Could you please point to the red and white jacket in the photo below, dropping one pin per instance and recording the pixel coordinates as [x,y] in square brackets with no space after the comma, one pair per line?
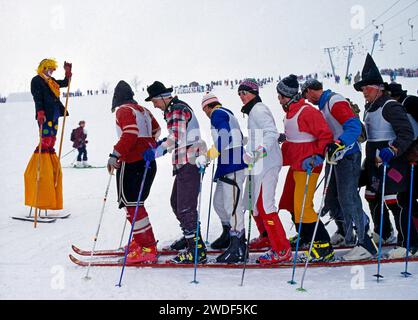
[307,133]
[137,130]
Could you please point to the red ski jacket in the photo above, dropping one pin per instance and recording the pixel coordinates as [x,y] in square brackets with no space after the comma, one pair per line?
[310,121]
[137,130]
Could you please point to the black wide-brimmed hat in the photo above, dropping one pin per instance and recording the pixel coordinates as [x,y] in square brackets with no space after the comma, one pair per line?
[396,89]
[370,75]
[156,89]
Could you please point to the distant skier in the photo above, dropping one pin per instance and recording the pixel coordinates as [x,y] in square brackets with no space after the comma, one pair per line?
[389,135]
[137,130]
[47,192]
[185,142]
[307,135]
[79,137]
[264,155]
[228,149]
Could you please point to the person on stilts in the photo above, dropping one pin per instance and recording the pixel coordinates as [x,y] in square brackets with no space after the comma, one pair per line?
[345,154]
[389,135]
[48,109]
[264,155]
[184,141]
[137,130]
[228,149]
[307,135]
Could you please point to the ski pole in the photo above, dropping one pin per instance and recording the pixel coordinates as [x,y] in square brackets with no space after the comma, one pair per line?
[317,187]
[68,153]
[316,226]
[378,275]
[123,233]
[210,203]
[65,116]
[406,273]
[38,177]
[250,213]
[99,225]
[202,172]
[308,175]
[63,126]
[73,162]
[147,166]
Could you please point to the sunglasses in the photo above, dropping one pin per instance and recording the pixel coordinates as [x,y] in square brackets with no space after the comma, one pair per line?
[242,93]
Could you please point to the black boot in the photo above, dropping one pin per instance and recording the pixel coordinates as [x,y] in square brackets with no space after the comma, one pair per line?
[322,251]
[236,250]
[188,256]
[223,241]
[369,245]
[179,244]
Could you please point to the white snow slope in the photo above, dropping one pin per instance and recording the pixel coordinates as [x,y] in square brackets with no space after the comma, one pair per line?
[34,263]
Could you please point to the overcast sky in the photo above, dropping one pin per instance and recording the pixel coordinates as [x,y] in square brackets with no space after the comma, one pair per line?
[178,41]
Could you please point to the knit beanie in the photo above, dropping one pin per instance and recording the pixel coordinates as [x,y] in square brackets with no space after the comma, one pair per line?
[288,86]
[208,99]
[249,85]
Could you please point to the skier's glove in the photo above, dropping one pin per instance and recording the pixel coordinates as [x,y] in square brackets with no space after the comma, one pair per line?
[251,157]
[161,141]
[40,116]
[113,162]
[332,151]
[282,138]
[387,154]
[201,162]
[153,153]
[213,153]
[67,67]
[312,162]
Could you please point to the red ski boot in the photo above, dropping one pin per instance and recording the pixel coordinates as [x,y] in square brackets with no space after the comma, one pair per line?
[272,256]
[143,255]
[132,246]
[262,242]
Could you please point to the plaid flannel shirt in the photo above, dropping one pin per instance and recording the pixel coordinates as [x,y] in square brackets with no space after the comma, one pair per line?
[184,145]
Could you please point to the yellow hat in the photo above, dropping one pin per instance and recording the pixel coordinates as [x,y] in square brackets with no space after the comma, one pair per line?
[46,64]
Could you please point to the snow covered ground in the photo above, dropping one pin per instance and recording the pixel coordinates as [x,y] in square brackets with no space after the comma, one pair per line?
[34,264]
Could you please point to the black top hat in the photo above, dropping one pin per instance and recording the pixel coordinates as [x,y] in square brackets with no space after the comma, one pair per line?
[370,75]
[396,89]
[156,89]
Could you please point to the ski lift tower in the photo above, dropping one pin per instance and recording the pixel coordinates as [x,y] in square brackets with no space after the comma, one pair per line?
[349,57]
[329,50]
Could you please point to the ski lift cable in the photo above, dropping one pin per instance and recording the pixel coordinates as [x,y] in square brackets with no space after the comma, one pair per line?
[396,14]
[371,23]
[400,24]
[399,12]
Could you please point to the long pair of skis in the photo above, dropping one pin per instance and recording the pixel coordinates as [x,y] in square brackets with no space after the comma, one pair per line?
[45,218]
[114,259]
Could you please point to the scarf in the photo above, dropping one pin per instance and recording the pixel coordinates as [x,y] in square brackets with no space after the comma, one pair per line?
[55,88]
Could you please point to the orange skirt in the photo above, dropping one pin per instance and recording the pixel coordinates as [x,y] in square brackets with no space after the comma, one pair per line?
[45,193]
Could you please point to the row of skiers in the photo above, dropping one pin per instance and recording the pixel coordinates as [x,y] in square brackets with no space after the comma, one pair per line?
[310,137]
